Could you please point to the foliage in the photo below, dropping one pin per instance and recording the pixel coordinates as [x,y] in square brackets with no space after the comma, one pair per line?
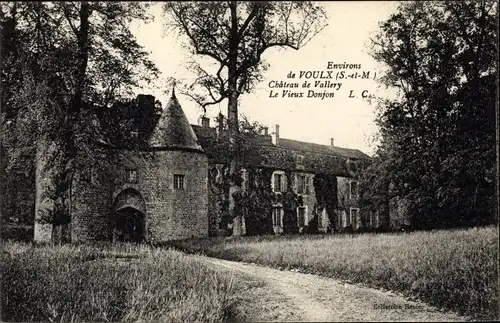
[67,64]
[255,203]
[438,136]
[234,35]
[218,185]
[258,201]
[110,283]
[325,187]
[290,202]
[451,269]
[129,123]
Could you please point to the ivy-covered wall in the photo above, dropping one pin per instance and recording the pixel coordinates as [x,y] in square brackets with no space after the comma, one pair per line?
[256,202]
[327,200]
[346,202]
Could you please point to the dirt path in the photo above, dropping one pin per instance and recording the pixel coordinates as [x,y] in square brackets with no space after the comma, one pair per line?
[293,296]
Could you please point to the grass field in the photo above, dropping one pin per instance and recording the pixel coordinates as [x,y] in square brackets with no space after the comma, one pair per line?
[110,283]
[456,270]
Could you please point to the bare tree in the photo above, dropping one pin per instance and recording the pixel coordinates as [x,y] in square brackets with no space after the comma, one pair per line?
[235,34]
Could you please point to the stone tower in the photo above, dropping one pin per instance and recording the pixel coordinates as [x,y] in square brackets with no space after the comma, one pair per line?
[177,196]
[156,195]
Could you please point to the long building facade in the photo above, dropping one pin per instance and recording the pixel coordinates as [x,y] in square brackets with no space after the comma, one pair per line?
[175,194]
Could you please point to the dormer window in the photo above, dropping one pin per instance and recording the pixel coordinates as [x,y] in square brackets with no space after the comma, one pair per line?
[300,159]
[353,165]
[131,175]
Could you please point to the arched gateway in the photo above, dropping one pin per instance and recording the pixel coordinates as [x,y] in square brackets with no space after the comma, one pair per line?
[129,217]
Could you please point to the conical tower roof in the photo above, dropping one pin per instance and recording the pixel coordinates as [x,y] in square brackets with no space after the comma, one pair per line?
[173,130]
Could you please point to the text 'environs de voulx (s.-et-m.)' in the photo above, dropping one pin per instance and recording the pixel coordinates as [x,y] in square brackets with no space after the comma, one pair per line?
[324,84]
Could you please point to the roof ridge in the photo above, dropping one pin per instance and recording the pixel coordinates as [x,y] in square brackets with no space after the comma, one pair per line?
[326,146]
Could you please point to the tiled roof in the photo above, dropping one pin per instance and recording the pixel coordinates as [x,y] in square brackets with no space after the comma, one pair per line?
[260,151]
[323,149]
[173,130]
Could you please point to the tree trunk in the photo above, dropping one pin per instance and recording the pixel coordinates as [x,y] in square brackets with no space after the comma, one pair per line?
[44,205]
[232,120]
[234,168]
[62,227]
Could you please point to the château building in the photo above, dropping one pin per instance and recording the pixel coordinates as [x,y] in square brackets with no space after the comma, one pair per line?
[175,194]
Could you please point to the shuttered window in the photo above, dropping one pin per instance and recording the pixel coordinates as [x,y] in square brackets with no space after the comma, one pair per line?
[179,182]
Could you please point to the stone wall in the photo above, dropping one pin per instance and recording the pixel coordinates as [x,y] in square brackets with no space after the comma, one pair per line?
[345,202]
[91,206]
[170,213]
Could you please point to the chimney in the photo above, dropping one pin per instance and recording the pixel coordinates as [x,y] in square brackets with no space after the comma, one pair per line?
[146,101]
[266,129]
[331,142]
[276,135]
[204,121]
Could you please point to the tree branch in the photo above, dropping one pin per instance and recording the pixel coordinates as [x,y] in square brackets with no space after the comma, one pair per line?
[180,19]
[249,19]
[68,18]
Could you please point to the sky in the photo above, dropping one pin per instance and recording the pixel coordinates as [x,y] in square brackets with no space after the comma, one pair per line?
[349,121]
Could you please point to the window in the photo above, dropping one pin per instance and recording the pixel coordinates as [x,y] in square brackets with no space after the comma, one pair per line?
[278,182]
[321,218]
[301,216]
[353,189]
[134,134]
[277,215]
[354,218]
[178,182]
[353,165]
[344,219]
[132,175]
[301,184]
